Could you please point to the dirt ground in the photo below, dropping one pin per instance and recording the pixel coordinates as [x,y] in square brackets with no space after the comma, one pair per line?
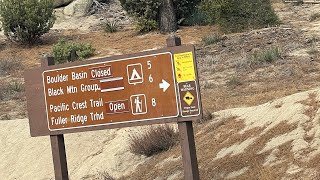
[230,76]
[227,75]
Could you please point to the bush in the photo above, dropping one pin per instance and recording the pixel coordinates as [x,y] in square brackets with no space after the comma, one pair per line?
[25,21]
[211,39]
[67,52]
[13,90]
[197,18]
[145,25]
[267,56]
[111,26]
[147,11]
[153,141]
[240,15]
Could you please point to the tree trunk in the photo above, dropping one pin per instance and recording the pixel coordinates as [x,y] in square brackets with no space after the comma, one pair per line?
[168,21]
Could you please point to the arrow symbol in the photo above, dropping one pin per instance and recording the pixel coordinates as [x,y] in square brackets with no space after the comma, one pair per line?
[164,85]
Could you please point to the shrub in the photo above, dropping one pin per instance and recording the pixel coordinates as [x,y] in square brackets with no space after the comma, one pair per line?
[68,52]
[197,18]
[13,90]
[267,56]
[240,15]
[25,21]
[154,140]
[211,39]
[111,26]
[147,11]
[144,25]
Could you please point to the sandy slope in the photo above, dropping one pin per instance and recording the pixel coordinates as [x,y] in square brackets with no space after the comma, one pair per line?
[281,136]
[23,157]
[275,140]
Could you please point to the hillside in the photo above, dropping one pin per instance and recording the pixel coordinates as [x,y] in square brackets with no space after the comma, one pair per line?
[266,117]
[277,139]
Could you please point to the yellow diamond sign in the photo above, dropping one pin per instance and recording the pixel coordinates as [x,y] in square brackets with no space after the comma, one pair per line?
[188,98]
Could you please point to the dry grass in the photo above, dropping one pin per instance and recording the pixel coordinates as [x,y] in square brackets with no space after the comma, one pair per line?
[99,176]
[10,65]
[13,90]
[207,116]
[313,105]
[211,139]
[153,141]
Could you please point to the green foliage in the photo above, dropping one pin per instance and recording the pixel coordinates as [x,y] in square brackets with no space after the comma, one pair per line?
[211,39]
[144,25]
[240,15]
[153,141]
[111,26]
[67,52]
[197,18]
[185,7]
[25,21]
[147,11]
[267,56]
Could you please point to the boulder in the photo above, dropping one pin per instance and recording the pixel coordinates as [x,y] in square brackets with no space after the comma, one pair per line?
[59,3]
[78,8]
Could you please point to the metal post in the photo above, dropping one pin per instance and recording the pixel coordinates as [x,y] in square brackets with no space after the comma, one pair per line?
[188,148]
[57,142]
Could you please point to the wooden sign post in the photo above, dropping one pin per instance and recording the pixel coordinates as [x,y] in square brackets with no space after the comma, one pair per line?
[153,87]
[57,142]
[188,147]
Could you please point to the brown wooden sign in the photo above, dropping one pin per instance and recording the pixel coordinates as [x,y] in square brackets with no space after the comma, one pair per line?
[112,92]
[133,89]
[139,89]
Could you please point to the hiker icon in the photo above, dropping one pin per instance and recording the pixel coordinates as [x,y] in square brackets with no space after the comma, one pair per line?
[138,104]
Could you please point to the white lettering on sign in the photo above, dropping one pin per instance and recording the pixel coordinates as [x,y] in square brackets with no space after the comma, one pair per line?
[115,107]
[79,105]
[89,87]
[100,73]
[96,116]
[55,92]
[79,76]
[72,89]
[77,118]
[59,108]
[96,103]
[59,120]
[187,87]
[57,79]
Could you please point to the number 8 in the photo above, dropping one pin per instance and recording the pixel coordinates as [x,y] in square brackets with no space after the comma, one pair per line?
[154,103]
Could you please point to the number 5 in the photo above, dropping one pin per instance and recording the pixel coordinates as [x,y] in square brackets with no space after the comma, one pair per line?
[149,64]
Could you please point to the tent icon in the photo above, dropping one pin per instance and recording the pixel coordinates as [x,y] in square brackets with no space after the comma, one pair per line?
[135,73]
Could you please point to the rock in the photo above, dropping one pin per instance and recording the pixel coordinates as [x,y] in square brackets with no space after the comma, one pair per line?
[78,8]
[59,3]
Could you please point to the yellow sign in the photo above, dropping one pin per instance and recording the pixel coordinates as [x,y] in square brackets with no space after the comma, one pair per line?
[184,67]
[188,98]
